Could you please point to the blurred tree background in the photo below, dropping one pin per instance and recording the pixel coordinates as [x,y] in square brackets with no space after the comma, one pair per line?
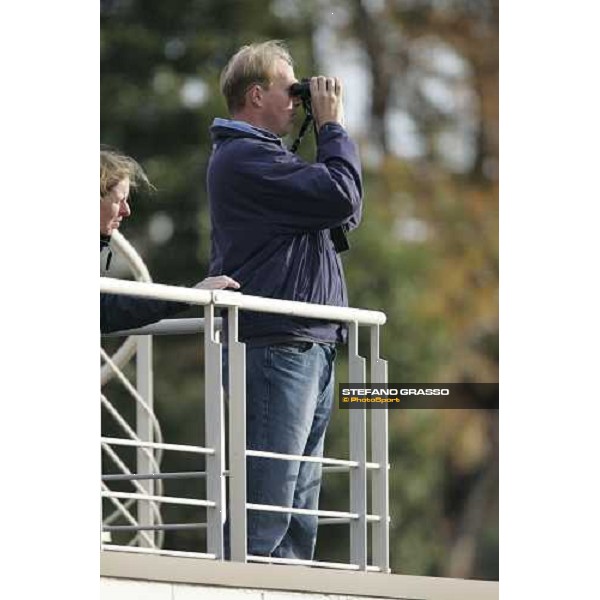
[421,97]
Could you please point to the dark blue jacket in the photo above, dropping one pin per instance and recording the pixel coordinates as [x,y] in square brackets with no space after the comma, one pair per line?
[271,213]
[119,312]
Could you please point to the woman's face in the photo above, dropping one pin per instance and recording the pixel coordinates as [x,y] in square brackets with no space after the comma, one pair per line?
[114,207]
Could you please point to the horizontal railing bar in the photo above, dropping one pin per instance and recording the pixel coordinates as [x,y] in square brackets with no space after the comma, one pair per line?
[162,499]
[334,521]
[336,469]
[344,520]
[294,457]
[160,551]
[315,459]
[301,511]
[253,303]
[343,469]
[166,527]
[169,327]
[175,526]
[136,476]
[159,291]
[308,563]
[174,447]
[322,521]
[298,309]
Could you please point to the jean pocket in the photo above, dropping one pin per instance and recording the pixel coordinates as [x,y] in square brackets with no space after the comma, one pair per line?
[293,347]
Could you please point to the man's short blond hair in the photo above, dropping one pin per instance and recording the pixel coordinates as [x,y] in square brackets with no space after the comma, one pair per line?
[251,64]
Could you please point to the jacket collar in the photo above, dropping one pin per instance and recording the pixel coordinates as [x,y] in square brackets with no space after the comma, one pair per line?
[225,128]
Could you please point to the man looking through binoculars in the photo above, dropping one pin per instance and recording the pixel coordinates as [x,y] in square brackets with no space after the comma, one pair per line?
[271,215]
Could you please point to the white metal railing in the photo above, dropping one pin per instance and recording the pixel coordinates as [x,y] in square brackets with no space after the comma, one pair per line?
[215,472]
[146,425]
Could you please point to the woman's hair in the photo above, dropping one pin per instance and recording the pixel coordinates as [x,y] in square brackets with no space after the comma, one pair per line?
[115,166]
[249,65]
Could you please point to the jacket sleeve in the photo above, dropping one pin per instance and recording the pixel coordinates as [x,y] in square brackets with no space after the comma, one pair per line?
[297,196]
[119,312]
[331,136]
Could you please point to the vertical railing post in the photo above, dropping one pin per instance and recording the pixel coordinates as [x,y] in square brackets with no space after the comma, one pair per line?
[379,453]
[145,514]
[237,439]
[358,452]
[214,423]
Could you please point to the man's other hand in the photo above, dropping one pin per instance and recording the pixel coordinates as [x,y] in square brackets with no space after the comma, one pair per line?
[220,282]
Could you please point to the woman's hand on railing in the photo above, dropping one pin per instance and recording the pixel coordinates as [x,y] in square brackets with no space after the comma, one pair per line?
[220,282]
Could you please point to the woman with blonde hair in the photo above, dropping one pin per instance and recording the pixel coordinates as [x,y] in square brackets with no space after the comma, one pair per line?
[120,173]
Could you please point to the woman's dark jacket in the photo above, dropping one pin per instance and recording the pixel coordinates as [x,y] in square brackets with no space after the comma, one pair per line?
[118,312]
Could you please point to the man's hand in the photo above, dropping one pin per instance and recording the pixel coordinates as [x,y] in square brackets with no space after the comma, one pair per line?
[326,97]
[217,283]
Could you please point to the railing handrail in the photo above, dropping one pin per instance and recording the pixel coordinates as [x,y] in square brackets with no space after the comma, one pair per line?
[223,298]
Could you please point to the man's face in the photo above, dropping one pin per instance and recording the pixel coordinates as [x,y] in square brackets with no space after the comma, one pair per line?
[114,207]
[279,108]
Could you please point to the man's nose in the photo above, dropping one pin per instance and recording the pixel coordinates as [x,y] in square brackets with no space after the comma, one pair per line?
[125,210]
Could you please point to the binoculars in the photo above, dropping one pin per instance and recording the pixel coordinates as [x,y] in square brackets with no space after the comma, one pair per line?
[301,89]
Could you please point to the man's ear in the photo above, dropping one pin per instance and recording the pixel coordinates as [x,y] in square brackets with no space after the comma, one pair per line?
[255,96]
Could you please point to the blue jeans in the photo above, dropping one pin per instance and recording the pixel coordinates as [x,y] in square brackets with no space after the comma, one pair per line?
[289,397]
